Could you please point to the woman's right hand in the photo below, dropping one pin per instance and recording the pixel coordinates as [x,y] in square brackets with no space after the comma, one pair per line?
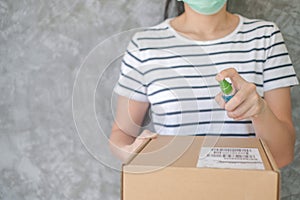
[124,139]
[128,150]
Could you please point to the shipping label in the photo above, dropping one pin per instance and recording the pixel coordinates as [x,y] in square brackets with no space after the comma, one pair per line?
[232,158]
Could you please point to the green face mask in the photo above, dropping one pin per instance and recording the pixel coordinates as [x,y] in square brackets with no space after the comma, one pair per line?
[206,7]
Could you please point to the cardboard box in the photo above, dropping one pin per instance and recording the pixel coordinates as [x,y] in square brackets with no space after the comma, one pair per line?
[212,168]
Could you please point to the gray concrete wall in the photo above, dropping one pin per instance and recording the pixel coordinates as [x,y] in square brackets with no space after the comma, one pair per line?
[53,50]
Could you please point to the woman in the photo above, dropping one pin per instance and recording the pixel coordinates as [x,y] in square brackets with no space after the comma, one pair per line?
[173,68]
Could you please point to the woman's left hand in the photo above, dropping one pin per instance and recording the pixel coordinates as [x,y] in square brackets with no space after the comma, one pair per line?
[246,103]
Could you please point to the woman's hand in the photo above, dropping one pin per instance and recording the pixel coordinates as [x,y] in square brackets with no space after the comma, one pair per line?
[126,151]
[246,102]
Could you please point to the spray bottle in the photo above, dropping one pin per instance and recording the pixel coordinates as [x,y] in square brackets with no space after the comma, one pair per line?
[227,90]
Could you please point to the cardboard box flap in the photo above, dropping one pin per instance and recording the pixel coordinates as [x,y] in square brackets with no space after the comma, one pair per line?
[184,151]
[169,150]
[270,157]
[168,168]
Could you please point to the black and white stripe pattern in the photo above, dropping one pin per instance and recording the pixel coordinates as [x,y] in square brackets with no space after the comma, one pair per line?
[176,75]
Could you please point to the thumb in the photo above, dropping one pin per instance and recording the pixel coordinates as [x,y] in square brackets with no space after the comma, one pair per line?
[220,100]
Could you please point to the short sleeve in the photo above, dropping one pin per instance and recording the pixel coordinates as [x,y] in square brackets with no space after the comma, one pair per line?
[278,69]
[131,82]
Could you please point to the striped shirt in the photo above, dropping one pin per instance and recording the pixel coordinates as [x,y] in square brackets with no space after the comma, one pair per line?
[176,75]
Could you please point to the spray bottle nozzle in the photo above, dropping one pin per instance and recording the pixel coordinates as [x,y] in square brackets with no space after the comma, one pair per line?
[227,90]
[225,87]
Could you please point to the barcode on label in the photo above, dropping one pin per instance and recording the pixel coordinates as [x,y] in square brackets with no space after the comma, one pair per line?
[244,158]
[232,154]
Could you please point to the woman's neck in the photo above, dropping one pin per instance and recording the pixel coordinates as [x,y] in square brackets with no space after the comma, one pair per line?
[205,27]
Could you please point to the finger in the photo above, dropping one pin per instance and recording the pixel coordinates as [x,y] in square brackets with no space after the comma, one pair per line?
[147,134]
[247,114]
[241,112]
[228,73]
[256,105]
[250,106]
[234,76]
[220,100]
[241,96]
[135,145]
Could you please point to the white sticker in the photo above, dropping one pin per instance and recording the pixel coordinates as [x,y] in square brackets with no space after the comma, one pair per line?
[233,158]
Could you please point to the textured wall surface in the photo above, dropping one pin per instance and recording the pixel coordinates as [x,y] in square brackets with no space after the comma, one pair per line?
[45,54]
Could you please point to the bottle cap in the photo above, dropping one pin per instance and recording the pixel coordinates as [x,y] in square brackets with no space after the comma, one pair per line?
[225,87]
